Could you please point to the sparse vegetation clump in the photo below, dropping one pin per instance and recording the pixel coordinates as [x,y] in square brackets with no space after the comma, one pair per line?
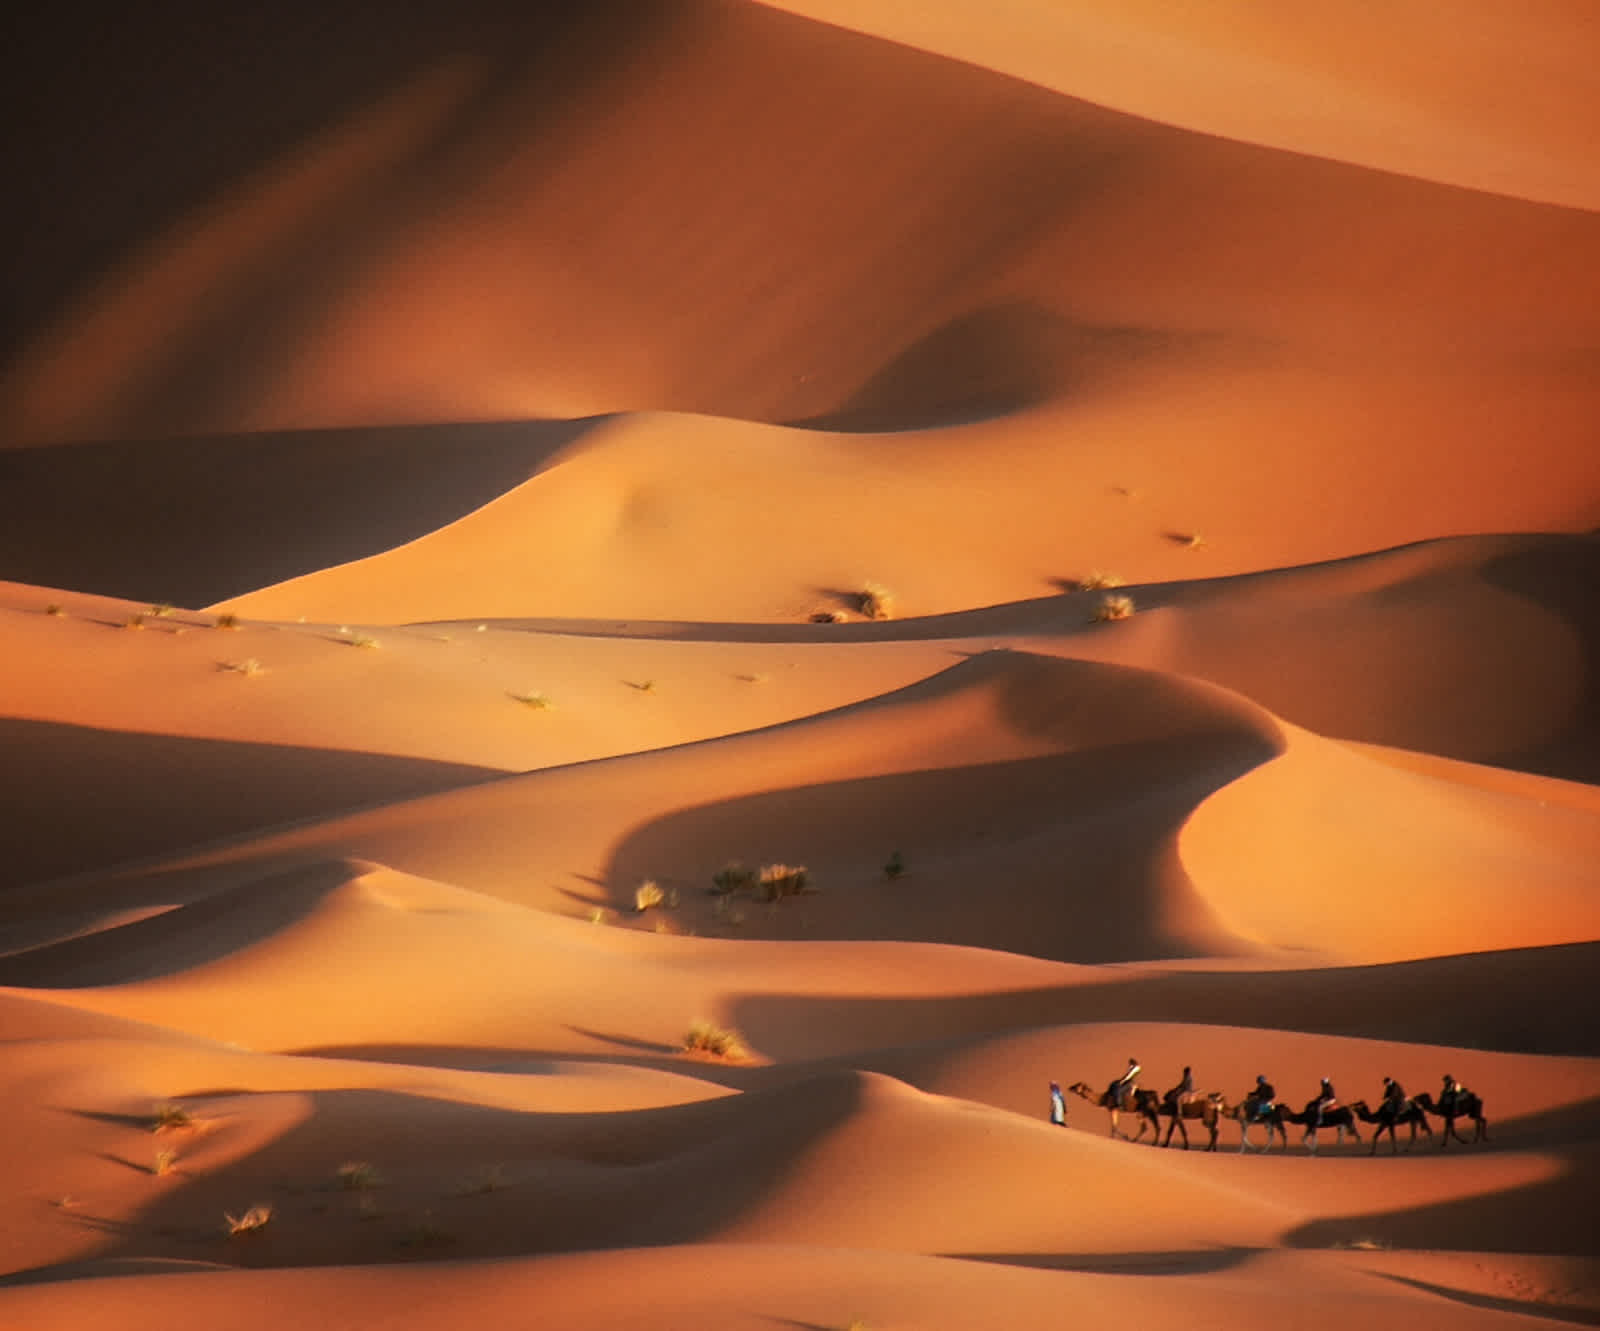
[161,610]
[782,880]
[733,878]
[894,866]
[647,894]
[164,1161]
[363,641]
[826,617]
[168,1116]
[1097,580]
[707,1037]
[1113,607]
[252,1221]
[875,601]
[250,666]
[227,620]
[133,622]
[357,1176]
[539,702]
[55,608]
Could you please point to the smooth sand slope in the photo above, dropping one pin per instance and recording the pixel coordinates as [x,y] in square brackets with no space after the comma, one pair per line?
[439,474]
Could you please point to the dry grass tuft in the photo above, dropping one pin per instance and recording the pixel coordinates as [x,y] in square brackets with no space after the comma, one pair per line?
[363,641]
[133,622]
[250,667]
[707,1037]
[826,617]
[1097,580]
[163,1163]
[251,1222]
[894,866]
[1112,607]
[647,894]
[875,601]
[357,1176]
[168,1116]
[539,702]
[227,620]
[55,608]
[782,880]
[732,878]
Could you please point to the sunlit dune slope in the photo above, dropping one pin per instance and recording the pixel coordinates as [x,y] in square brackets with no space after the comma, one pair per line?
[721,208]
[1488,96]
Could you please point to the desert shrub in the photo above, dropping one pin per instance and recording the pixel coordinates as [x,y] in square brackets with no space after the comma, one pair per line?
[55,608]
[733,877]
[782,880]
[539,702]
[356,1176]
[167,1116]
[250,1222]
[164,1161]
[648,894]
[1098,581]
[826,617]
[875,601]
[133,622]
[249,666]
[894,866]
[707,1037]
[227,620]
[1113,607]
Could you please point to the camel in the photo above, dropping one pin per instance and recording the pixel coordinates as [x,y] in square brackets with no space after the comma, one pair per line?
[1207,1108]
[1145,1104]
[1248,1112]
[1339,1117]
[1467,1105]
[1388,1119]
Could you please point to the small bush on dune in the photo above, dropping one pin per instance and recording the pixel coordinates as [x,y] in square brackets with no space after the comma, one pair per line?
[55,608]
[1098,581]
[227,620]
[161,610]
[249,666]
[894,866]
[782,880]
[733,877]
[252,1221]
[539,702]
[1113,607]
[875,601]
[356,1176]
[164,1162]
[706,1037]
[168,1116]
[826,617]
[133,622]
[647,894]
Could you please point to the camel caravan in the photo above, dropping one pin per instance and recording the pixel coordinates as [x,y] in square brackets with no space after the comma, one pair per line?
[1183,1105]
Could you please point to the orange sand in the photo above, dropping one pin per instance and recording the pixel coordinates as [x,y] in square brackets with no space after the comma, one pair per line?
[500,412]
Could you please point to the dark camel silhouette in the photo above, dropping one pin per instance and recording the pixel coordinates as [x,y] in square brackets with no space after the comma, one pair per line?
[1146,1104]
[1247,1113]
[1207,1108]
[1388,1118]
[1467,1105]
[1338,1117]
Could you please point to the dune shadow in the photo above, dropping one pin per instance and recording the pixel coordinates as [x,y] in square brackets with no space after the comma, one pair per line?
[627,1178]
[1549,1218]
[195,521]
[992,362]
[1180,1262]
[1554,1312]
[98,798]
[182,937]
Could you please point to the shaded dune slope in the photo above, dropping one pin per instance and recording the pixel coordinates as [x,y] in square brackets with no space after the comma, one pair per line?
[588,248]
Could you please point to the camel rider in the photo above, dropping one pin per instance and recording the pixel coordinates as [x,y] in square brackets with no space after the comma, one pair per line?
[1326,1100]
[1394,1096]
[1123,1087]
[1058,1106]
[1261,1098]
[1451,1094]
[1181,1092]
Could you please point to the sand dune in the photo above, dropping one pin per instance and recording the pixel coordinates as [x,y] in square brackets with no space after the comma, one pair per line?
[487,504]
